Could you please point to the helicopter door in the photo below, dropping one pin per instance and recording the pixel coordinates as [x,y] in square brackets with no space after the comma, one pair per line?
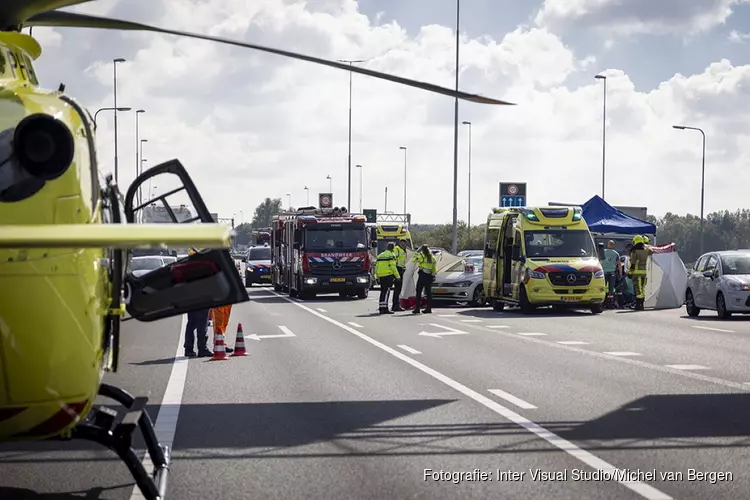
[203,280]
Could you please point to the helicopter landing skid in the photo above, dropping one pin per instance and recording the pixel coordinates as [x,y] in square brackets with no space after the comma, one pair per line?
[114,429]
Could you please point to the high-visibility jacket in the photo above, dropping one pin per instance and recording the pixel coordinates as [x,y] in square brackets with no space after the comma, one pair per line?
[639,259]
[386,265]
[426,266]
[400,255]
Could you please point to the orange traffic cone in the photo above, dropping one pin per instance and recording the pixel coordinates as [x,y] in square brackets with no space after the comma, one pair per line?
[239,343]
[220,353]
[210,317]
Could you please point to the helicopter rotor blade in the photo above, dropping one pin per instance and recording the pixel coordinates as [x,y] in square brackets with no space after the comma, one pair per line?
[15,12]
[74,20]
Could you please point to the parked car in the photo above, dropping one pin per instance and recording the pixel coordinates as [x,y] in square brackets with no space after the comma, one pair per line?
[469,253]
[461,283]
[147,263]
[719,281]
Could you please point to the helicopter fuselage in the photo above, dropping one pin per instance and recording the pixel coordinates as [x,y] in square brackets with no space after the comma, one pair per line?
[53,301]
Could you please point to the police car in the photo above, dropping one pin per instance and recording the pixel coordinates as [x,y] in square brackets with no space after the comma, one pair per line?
[258,265]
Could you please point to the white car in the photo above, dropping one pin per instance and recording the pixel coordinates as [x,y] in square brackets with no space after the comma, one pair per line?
[147,263]
[719,281]
[461,283]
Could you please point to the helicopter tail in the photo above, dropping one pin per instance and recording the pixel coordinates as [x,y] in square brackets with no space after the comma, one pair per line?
[121,236]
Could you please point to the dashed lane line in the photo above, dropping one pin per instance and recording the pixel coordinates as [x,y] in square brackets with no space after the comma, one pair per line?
[512,399]
[497,326]
[644,490]
[447,315]
[409,349]
[321,309]
[622,353]
[355,325]
[712,329]
[688,367]
[572,342]
[531,334]
[471,321]
[660,368]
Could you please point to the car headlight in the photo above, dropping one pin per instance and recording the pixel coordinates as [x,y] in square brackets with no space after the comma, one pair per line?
[251,269]
[599,274]
[362,279]
[533,274]
[733,285]
[463,284]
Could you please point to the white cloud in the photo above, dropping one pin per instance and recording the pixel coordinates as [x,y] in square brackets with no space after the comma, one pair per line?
[681,17]
[250,125]
[737,37]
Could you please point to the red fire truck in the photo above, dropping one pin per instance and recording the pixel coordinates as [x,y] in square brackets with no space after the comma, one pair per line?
[322,251]
[260,237]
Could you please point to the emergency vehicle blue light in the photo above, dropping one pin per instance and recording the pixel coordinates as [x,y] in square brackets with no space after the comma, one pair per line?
[577,215]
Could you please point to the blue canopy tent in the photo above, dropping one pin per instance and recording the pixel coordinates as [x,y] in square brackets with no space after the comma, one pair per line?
[602,217]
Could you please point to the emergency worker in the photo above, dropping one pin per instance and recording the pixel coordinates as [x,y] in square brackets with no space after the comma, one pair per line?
[387,273]
[399,251]
[220,317]
[197,322]
[427,271]
[638,260]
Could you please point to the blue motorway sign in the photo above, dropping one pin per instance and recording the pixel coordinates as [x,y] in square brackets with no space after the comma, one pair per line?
[512,201]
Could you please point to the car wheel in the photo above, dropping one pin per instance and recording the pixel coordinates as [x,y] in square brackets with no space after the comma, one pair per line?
[523,302]
[721,307]
[692,310]
[362,294]
[479,299]
[596,309]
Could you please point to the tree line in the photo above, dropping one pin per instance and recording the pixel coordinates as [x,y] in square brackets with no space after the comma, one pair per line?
[723,230]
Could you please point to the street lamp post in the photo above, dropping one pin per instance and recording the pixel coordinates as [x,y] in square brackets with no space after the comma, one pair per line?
[703,174]
[289,200]
[307,193]
[349,162]
[468,222]
[604,127]
[330,184]
[115,61]
[137,154]
[454,243]
[385,205]
[141,153]
[360,187]
[108,109]
[404,149]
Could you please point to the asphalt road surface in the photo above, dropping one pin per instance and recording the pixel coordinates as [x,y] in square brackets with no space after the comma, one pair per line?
[336,402]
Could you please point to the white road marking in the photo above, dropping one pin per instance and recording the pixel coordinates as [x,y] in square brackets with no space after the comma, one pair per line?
[688,367]
[497,326]
[471,320]
[287,333]
[513,399]
[572,342]
[409,349]
[449,331]
[355,325]
[169,410]
[532,334]
[712,329]
[596,463]
[622,353]
[321,309]
[447,315]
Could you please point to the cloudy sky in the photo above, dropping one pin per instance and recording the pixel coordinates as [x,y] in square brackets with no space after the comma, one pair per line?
[250,125]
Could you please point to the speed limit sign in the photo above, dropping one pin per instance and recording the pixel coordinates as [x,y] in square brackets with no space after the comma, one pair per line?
[513,189]
[325,200]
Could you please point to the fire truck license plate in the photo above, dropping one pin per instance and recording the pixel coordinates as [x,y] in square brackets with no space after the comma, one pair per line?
[338,280]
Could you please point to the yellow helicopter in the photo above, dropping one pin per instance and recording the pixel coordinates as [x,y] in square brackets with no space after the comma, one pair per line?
[65,240]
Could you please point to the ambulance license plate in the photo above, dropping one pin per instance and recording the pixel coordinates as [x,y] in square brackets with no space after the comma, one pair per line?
[575,298]
[440,290]
[338,280]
